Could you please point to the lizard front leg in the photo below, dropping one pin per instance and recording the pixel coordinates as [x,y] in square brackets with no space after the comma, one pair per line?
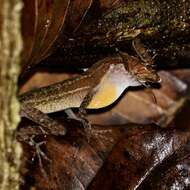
[82,114]
[46,126]
[82,109]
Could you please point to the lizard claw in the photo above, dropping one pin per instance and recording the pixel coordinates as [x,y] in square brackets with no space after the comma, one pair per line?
[39,153]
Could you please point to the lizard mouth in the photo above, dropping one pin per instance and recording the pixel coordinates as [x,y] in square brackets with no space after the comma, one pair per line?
[150,78]
[150,81]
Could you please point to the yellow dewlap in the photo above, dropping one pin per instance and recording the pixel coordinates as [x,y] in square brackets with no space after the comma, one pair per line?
[105,96]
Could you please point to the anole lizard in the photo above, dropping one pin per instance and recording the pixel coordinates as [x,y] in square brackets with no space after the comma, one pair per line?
[107,79]
[98,87]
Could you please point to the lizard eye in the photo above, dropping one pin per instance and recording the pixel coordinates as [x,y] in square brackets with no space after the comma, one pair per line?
[147,84]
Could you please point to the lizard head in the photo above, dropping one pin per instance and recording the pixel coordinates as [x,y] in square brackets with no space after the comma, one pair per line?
[144,74]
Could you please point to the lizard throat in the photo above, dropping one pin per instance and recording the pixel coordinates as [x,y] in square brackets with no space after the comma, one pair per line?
[112,85]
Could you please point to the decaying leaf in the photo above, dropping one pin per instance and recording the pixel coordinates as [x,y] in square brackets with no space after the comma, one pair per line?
[147,158]
[141,156]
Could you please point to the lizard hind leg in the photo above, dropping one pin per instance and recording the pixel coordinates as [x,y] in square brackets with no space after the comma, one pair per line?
[39,153]
[47,125]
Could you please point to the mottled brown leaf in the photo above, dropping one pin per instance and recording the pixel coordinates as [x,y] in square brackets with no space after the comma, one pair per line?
[75,158]
[42,22]
[76,13]
[28,30]
[141,156]
[147,158]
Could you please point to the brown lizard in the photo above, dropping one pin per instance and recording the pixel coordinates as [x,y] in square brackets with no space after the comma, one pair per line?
[98,87]
[107,79]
